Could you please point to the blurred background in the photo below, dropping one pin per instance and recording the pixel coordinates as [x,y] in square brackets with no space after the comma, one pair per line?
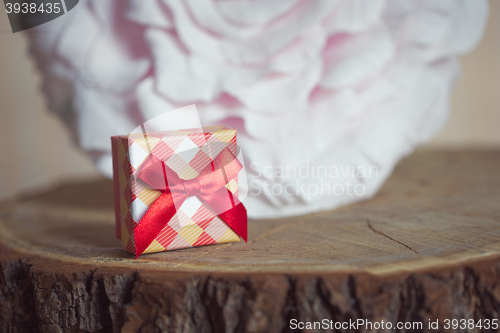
[35,149]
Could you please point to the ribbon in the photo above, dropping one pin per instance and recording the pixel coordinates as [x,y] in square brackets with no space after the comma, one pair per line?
[209,187]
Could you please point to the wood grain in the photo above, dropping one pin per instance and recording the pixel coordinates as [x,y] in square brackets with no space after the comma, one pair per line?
[427,246]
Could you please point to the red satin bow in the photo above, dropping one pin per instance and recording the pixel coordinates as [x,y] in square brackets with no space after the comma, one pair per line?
[209,186]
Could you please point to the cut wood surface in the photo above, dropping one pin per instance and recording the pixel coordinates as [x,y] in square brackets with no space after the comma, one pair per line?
[427,246]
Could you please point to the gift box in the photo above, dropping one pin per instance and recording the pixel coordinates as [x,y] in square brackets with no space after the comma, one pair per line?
[177,189]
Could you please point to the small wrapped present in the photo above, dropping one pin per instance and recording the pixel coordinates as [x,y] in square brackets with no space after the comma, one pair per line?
[177,189]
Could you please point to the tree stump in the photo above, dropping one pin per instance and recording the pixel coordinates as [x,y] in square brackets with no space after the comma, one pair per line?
[426,247]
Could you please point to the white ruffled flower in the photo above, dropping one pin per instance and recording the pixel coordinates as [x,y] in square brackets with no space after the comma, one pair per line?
[326,95]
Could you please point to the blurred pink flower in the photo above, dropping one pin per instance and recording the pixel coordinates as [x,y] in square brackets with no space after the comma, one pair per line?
[318,90]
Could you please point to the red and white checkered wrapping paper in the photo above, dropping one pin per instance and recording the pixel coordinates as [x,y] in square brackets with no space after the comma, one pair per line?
[187,152]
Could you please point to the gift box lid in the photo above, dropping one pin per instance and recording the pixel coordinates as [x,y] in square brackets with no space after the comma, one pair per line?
[186,151]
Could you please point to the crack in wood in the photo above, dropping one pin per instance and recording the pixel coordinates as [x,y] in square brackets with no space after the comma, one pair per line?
[389,237]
